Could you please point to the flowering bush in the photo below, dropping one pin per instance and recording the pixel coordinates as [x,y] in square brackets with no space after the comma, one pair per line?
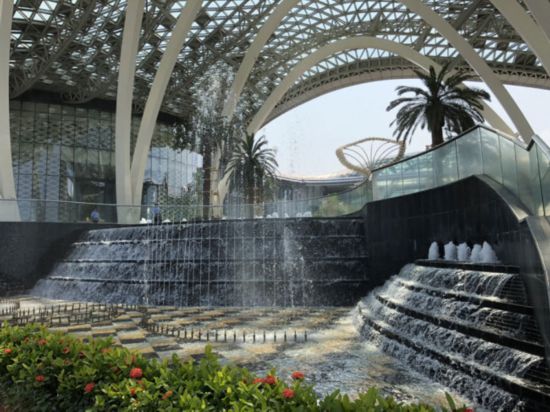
[44,371]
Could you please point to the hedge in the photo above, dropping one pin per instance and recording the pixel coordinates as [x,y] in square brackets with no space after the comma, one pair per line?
[47,371]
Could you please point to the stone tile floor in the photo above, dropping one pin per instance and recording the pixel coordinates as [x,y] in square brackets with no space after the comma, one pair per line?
[197,327]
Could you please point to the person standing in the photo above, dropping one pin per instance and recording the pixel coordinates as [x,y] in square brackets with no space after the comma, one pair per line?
[157,217]
[94,216]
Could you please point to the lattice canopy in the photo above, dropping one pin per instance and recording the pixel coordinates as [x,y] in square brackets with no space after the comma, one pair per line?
[71,48]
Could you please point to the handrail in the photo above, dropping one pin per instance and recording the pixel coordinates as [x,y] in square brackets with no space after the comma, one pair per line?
[453,139]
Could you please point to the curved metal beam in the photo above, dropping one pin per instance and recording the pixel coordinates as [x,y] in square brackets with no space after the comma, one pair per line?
[125,95]
[156,95]
[541,13]
[8,210]
[253,52]
[476,62]
[361,42]
[533,35]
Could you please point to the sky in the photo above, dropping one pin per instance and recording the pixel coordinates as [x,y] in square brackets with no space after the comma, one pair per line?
[306,137]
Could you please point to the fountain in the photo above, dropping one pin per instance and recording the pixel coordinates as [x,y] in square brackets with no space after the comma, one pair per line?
[471,331]
[261,262]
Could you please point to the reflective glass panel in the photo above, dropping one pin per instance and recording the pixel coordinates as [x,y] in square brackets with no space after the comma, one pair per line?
[469,154]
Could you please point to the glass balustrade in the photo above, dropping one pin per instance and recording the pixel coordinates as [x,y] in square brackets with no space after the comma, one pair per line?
[522,169]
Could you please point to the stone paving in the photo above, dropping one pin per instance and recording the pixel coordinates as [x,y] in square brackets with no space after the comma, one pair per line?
[242,335]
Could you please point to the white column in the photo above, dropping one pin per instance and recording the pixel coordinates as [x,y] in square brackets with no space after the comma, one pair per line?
[475,61]
[361,42]
[533,35]
[156,95]
[253,52]
[541,12]
[8,209]
[123,123]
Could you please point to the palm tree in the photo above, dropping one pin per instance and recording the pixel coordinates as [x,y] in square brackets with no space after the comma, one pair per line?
[251,168]
[444,104]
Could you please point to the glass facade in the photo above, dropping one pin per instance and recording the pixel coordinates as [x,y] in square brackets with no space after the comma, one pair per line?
[63,153]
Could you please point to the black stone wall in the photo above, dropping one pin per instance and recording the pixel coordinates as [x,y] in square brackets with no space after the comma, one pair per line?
[400,230]
[28,251]
[476,209]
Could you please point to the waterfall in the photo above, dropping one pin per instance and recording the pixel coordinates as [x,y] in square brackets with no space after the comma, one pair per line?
[461,328]
[257,262]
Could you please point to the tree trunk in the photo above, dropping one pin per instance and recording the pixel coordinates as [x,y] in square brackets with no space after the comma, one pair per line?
[437,136]
[206,183]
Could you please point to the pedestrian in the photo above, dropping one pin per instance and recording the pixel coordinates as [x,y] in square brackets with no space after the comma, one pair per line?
[157,216]
[95,215]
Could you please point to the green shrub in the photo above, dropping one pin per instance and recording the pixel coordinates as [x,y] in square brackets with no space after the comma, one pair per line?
[45,371]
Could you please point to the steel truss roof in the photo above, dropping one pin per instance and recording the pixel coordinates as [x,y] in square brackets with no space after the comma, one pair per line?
[72,47]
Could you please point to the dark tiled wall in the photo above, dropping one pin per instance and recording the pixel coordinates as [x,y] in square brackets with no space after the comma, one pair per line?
[476,209]
[28,251]
[400,230]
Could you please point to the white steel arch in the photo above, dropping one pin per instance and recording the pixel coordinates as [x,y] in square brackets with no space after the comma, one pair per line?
[8,210]
[476,62]
[156,95]
[125,95]
[533,35]
[253,52]
[541,13]
[361,42]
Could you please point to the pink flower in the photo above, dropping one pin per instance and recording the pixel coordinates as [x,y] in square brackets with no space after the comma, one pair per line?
[7,351]
[258,380]
[297,375]
[270,380]
[288,393]
[136,373]
[89,387]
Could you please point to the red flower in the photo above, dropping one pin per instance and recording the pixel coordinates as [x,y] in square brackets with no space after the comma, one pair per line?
[81,355]
[167,395]
[66,350]
[288,393]
[136,373]
[297,375]
[89,387]
[133,391]
[468,410]
[7,351]
[270,380]
[39,378]
[42,342]
[258,380]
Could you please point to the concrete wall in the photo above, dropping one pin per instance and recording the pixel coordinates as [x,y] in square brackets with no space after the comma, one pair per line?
[28,250]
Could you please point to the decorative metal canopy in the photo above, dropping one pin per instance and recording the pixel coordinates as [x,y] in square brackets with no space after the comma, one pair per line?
[72,47]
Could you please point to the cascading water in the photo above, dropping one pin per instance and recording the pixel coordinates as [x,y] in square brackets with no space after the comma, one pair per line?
[260,262]
[468,330]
